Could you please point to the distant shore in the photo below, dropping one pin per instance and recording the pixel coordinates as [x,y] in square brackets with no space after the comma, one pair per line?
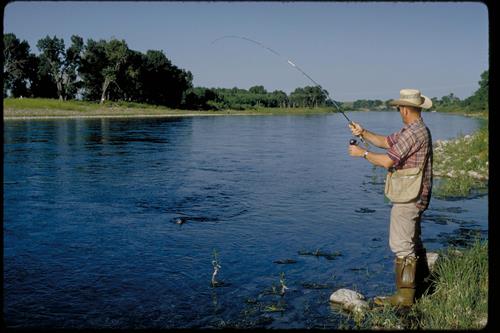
[123,112]
[63,115]
[46,108]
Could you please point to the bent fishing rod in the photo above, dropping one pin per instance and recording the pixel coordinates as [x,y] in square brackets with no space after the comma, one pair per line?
[291,63]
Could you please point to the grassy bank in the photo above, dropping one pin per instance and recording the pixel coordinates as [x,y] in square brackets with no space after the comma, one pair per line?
[461,166]
[457,299]
[44,108]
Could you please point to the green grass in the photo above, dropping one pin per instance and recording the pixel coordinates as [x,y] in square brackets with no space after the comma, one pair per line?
[45,107]
[47,104]
[72,105]
[459,299]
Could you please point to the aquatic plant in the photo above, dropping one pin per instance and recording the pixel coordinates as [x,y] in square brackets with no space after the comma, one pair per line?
[318,253]
[282,283]
[216,266]
[274,307]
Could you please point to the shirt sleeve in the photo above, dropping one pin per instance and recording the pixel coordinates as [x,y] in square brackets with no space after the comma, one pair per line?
[400,146]
[391,139]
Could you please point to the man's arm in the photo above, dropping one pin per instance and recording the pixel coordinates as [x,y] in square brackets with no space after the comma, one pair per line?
[375,139]
[382,160]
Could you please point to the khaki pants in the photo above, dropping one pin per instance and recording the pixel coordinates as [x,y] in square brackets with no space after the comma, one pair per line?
[404,230]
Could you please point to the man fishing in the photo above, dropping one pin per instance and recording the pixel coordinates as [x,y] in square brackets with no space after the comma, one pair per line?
[410,147]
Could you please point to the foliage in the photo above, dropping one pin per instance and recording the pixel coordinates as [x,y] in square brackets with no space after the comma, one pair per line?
[476,103]
[463,164]
[61,65]
[16,65]
[108,70]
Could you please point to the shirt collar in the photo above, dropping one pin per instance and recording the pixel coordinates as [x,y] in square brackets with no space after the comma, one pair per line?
[414,123]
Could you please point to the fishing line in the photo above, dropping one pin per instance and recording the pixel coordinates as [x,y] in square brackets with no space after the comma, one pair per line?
[291,63]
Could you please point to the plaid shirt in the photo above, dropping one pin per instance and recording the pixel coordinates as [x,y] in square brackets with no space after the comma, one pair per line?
[409,148]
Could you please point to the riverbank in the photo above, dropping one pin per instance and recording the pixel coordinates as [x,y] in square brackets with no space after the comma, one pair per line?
[461,165]
[456,299]
[40,108]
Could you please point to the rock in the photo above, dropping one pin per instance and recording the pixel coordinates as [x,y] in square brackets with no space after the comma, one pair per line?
[477,175]
[432,257]
[473,174]
[482,322]
[349,299]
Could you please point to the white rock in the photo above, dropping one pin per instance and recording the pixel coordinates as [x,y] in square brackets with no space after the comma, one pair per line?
[349,299]
[475,174]
[432,257]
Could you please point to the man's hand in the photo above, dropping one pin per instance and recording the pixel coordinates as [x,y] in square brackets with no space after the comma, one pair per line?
[356,129]
[355,150]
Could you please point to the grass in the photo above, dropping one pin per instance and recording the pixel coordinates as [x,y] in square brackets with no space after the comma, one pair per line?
[45,107]
[458,300]
[461,165]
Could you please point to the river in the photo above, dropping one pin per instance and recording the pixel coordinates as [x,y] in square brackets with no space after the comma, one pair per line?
[114,223]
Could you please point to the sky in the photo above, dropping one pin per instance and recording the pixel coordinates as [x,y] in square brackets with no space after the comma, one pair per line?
[362,50]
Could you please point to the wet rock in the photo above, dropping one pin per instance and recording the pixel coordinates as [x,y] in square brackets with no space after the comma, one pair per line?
[180,220]
[285,261]
[365,210]
[349,300]
[432,257]
[318,253]
[314,285]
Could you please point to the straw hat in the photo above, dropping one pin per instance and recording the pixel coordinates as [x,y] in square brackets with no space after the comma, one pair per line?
[412,97]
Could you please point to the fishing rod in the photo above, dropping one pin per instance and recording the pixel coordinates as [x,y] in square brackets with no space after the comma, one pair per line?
[291,63]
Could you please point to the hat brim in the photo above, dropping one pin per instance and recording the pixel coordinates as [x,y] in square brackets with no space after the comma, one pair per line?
[426,104]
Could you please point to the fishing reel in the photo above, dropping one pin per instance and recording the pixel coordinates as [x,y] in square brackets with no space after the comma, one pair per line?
[353,142]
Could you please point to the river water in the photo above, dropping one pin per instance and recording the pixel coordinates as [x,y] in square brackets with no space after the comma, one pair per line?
[90,212]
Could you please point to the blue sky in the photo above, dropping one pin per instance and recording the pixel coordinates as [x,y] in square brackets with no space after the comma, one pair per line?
[354,50]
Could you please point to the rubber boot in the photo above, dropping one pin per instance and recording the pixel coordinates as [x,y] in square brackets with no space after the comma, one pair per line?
[405,271]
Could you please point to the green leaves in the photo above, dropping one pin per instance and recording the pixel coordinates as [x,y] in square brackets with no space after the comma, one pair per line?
[17,65]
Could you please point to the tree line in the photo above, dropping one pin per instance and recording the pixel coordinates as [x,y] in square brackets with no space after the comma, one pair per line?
[96,71]
[108,70]
[477,102]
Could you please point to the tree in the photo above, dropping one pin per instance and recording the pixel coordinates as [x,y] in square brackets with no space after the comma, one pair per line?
[115,53]
[16,66]
[298,97]
[478,102]
[42,84]
[201,98]
[131,87]
[102,63]
[279,99]
[61,64]
[92,65]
